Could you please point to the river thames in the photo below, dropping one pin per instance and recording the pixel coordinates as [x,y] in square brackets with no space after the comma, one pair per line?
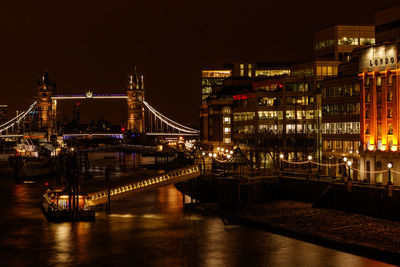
[147,229]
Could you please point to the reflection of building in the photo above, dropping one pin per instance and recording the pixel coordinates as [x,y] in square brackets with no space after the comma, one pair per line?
[3,113]
[387,23]
[380,91]
[338,41]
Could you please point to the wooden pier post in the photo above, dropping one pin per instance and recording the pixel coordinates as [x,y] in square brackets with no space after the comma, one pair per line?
[107,178]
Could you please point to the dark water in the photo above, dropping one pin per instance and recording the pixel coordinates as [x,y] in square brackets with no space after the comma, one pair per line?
[147,229]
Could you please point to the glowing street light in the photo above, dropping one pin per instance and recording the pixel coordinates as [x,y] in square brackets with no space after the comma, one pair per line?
[210,155]
[349,162]
[390,166]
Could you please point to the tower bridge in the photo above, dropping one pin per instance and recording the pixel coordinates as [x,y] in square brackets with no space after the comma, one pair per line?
[141,117]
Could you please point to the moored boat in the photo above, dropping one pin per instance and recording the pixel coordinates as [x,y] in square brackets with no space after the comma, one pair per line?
[57,205]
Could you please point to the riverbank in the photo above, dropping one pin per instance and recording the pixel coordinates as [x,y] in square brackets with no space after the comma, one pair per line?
[359,234]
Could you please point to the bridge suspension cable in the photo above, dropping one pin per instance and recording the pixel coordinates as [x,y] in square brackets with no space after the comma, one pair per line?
[168,122]
[17,119]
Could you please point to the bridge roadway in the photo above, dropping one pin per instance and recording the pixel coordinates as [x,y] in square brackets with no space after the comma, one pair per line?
[145,184]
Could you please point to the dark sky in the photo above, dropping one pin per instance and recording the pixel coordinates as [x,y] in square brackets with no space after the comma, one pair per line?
[92,45]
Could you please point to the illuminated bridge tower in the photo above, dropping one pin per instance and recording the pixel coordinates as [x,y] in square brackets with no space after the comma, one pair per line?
[46,88]
[135,97]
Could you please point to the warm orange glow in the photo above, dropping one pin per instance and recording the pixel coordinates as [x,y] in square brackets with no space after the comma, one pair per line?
[383,148]
[393,148]
[371,147]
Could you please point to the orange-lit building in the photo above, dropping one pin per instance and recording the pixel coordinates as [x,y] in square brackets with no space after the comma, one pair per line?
[380,106]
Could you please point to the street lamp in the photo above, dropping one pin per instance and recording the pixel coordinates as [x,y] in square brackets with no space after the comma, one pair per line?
[309,165]
[281,156]
[345,166]
[390,165]
[210,155]
[349,162]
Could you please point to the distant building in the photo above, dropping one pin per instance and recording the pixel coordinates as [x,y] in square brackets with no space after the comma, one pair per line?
[338,41]
[340,106]
[3,113]
[281,111]
[211,78]
[387,22]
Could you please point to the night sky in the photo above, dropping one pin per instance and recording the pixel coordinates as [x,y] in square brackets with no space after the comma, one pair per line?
[92,45]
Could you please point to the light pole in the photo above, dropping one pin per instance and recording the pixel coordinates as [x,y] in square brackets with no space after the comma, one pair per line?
[349,162]
[345,167]
[281,156]
[390,165]
[309,165]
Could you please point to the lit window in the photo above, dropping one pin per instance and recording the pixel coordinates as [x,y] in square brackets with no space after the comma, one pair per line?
[227,140]
[390,96]
[227,130]
[390,129]
[227,120]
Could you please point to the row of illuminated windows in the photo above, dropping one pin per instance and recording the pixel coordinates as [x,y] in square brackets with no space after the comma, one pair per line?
[327,70]
[272,114]
[227,140]
[269,101]
[216,73]
[341,127]
[389,97]
[344,41]
[298,87]
[304,100]
[356,41]
[304,72]
[379,129]
[301,114]
[271,87]
[324,44]
[379,80]
[351,89]
[300,128]
[243,116]
[341,109]
[379,113]
[340,146]
[272,72]
[244,129]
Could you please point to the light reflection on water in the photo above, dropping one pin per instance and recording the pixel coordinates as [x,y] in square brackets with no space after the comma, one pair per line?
[150,229]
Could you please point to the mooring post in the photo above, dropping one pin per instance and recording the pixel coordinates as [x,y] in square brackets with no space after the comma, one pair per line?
[107,178]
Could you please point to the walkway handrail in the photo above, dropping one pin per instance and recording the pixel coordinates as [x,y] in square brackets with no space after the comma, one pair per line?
[145,183]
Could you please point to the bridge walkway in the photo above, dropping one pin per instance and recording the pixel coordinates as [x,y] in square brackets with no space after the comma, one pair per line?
[146,184]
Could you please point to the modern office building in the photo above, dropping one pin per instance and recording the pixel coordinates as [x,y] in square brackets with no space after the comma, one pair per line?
[387,22]
[269,115]
[340,106]
[212,77]
[338,41]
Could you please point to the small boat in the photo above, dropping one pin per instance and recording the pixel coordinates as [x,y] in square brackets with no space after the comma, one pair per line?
[31,160]
[56,206]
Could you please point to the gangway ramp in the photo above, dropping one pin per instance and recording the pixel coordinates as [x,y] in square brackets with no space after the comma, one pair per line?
[146,184]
